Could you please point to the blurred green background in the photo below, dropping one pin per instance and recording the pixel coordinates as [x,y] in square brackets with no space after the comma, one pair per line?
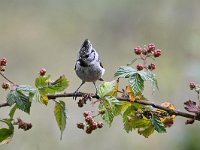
[48,33]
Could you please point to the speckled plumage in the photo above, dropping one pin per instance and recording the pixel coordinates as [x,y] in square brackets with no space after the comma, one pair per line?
[88,66]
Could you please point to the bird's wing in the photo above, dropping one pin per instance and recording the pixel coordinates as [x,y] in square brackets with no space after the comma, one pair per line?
[101,65]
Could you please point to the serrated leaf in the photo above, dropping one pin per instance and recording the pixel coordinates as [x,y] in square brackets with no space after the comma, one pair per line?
[158,125]
[12,111]
[131,121]
[6,133]
[149,76]
[112,107]
[108,89]
[125,72]
[60,115]
[11,97]
[41,81]
[146,132]
[22,101]
[59,85]
[45,87]
[26,88]
[137,84]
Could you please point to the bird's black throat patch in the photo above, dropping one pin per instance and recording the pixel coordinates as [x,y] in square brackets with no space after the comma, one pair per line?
[83,64]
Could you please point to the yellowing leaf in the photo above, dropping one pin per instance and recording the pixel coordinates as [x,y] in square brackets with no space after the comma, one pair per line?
[130,93]
[108,89]
[44,99]
[167,120]
[115,88]
[170,106]
[146,132]
[60,115]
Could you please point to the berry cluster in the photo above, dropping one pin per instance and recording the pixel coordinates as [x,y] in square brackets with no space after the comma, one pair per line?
[23,125]
[144,53]
[89,125]
[3,63]
[84,100]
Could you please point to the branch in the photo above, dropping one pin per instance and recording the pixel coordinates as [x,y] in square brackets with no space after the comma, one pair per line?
[144,102]
[4,105]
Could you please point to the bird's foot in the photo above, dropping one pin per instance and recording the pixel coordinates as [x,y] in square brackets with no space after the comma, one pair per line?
[97,96]
[75,95]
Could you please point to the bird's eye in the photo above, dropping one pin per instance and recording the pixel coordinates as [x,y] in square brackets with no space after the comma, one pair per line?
[86,56]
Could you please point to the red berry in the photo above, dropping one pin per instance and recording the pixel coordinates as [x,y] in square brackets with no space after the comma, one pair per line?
[43,71]
[152,66]
[157,53]
[151,47]
[3,61]
[89,119]
[140,67]
[86,113]
[138,50]
[80,125]
[5,86]
[94,125]
[99,124]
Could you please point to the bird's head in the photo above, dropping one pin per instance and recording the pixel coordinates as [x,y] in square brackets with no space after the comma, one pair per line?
[85,48]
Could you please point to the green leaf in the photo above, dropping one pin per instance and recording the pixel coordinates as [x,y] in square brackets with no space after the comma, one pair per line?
[11,97]
[158,125]
[41,81]
[22,100]
[141,76]
[131,121]
[59,85]
[6,133]
[107,88]
[12,111]
[26,88]
[60,115]
[46,87]
[112,107]
[146,132]
[22,95]
[125,72]
[136,83]
[149,76]
[125,105]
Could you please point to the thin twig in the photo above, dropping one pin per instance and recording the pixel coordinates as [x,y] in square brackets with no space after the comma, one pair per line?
[144,102]
[7,79]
